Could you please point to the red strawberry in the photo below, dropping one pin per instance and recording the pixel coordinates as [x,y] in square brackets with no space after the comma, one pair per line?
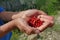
[34,21]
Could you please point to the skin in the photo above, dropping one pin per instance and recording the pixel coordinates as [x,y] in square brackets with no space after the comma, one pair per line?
[48,21]
[19,20]
[17,23]
[7,16]
[6,28]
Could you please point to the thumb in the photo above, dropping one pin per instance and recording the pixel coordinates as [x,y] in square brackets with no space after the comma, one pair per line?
[18,15]
[22,24]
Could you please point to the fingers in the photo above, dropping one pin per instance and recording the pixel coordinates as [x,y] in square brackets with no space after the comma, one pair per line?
[28,13]
[18,15]
[35,31]
[23,14]
[43,27]
[47,17]
[48,21]
[31,12]
[23,26]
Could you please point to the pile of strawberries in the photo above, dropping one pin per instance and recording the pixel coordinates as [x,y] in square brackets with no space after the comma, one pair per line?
[34,21]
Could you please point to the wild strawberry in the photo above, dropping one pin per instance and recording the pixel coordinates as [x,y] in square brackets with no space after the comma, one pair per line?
[34,21]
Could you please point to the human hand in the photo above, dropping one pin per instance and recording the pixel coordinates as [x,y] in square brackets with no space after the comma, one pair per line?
[22,25]
[48,22]
[24,14]
[28,13]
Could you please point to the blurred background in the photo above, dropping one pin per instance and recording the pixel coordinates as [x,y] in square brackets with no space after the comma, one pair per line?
[51,7]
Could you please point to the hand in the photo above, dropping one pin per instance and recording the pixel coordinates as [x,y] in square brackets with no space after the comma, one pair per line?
[27,13]
[23,26]
[48,22]
[24,15]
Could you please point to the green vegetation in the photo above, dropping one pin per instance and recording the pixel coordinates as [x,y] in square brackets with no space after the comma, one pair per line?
[49,6]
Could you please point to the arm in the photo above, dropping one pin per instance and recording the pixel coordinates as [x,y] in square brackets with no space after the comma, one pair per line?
[6,28]
[13,15]
[17,23]
[6,16]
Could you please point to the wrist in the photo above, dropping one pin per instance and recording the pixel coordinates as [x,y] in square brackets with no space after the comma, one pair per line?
[7,16]
[14,14]
[14,22]
[18,15]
